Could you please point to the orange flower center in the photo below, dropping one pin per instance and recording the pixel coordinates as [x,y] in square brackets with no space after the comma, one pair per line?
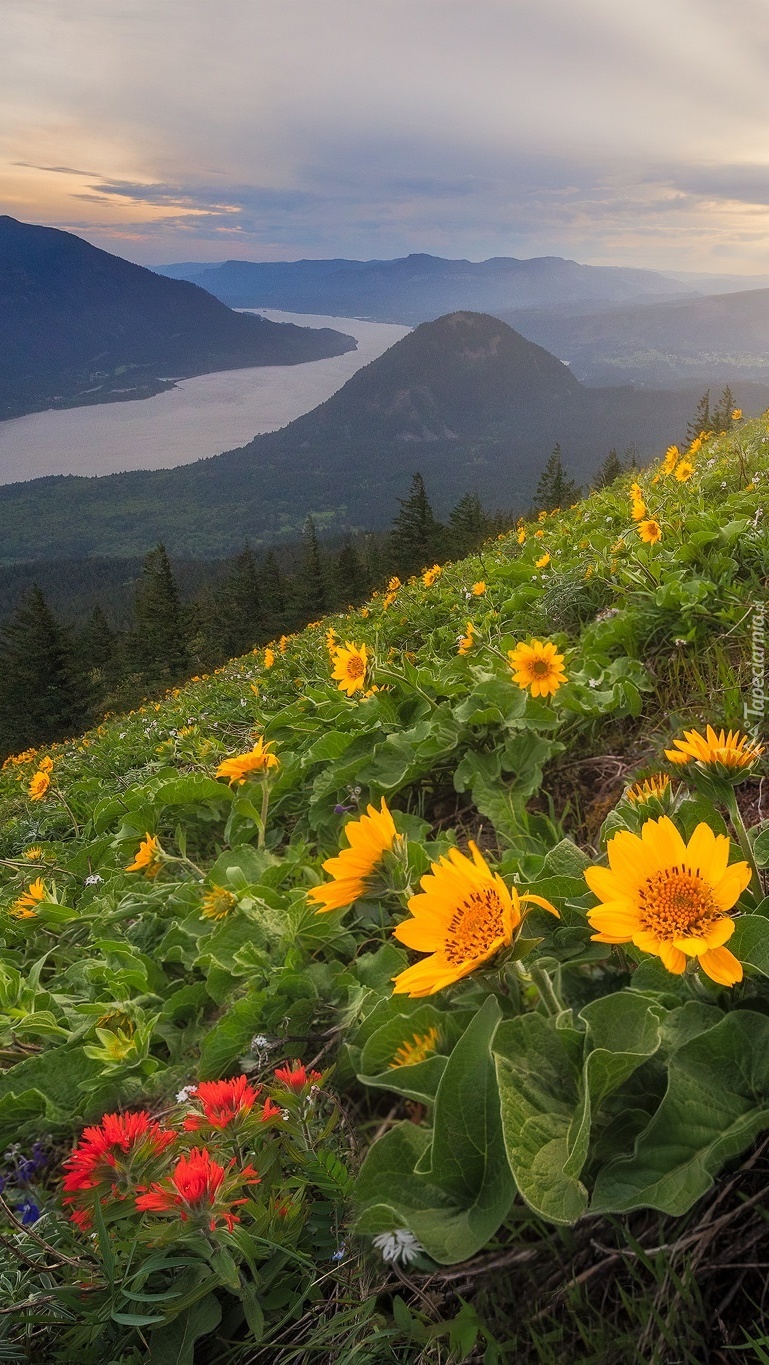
[355,668]
[474,926]
[677,903]
[541,668]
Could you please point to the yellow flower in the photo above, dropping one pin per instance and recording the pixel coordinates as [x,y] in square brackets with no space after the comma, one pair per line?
[25,906]
[283,643]
[542,516]
[684,470]
[394,584]
[479,588]
[737,415]
[33,855]
[364,611]
[521,537]
[147,859]
[463,916]
[242,766]
[670,898]
[45,764]
[543,562]
[467,641]
[416,1049]
[650,532]
[655,786]
[429,576]
[350,665]
[269,657]
[672,456]
[537,666]
[733,750]
[589,571]
[538,535]
[388,600]
[638,509]
[369,837]
[217,903]
[39,785]
[696,444]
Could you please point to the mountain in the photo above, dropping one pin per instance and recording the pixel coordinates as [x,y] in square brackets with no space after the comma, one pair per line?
[465,400]
[78,325]
[419,288]
[716,339]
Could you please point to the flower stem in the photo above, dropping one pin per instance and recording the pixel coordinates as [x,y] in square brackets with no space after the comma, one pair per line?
[745,844]
[263,815]
[547,992]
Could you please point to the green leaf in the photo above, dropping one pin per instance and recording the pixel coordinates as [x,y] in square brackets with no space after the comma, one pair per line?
[231,1035]
[539,1076]
[188,791]
[175,1343]
[329,747]
[750,942]
[468,1152]
[716,1103]
[761,848]
[566,860]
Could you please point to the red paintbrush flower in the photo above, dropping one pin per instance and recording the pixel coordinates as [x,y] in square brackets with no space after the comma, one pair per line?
[222,1101]
[110,1158]
[270,1110]
[199,1187]
[295,1076]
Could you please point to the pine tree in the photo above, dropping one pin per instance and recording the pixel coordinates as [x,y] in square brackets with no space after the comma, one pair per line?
[158,647]
[310,586]
[554,488]
[702,420]
[350,576]
[274,595]
[96,654]
[41,694]
[468,526]
[610,470]
[721,416]
[236,621]
[415,534]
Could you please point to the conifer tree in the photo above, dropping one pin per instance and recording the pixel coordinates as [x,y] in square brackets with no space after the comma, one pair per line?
[273,593]
[610,470]
[96,654]
[158,647]
[350,576]
[721,416]
[415,534]
[41,693]
[310,586]
[555,489]
[236,623]
[468,526]
[702,419]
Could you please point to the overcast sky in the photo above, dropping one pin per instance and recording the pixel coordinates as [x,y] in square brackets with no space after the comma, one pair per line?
[609,131]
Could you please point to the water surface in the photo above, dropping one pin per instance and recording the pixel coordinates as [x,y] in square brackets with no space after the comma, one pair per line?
[199,417]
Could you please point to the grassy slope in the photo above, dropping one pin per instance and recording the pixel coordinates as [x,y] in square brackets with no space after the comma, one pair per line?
[655,638]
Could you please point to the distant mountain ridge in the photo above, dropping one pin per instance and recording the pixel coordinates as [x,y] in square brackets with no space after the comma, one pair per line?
[78,325]
[465,400]
[420,287]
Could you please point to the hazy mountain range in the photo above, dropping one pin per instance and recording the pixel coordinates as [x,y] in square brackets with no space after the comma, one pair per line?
[465,400]
[78,325]
[612,325]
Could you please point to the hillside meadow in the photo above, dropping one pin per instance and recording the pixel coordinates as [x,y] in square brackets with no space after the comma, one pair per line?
[400,992]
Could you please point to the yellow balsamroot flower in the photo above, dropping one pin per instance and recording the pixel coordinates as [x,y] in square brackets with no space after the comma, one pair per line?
[39,785]
[684,470]
[148,858]
[34,854]
[467,640]
[737,415]
[217,903]
[369,838]
[733,751]
[394,584]
[416,1049]
[269,657]
[429,576]
[672,456]
[542,562]
[670,898]
[331,639]
[479,588]
[388,600]
[655,786]
[25,907]
[243,766]
[537,666]
[650,531]
[350,664]
[638,509]
[521,537]
[463,916]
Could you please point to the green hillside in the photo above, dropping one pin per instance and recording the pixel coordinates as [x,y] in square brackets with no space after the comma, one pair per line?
[517,1148]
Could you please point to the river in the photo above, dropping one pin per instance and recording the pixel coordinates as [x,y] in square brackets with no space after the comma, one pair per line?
[198,417]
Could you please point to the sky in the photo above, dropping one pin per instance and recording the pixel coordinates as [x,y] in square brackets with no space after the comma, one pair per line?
[607,131]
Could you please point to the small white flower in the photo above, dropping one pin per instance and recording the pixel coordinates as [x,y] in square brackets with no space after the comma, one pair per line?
[94,879]
[723,485]
[185,1093]
[122,734]
[593,682]
[285,1115]
[340,1253]
[400,1245]
[242,701]
[260,1041]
